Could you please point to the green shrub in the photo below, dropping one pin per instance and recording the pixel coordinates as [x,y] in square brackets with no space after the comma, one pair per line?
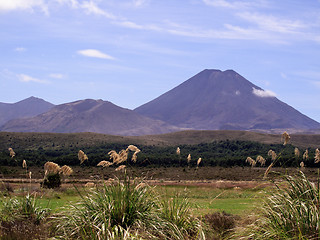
[220,223]
[125,210]
[22,218]
[292,212]
[52,180]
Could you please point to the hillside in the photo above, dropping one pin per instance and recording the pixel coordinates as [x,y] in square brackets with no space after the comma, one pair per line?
[34,141]
[89,116]
[29,107]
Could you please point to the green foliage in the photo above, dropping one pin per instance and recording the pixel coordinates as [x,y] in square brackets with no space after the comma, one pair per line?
[217,153]
[23,208]
[22,218]
[290,213]
[52,180]
[126,210]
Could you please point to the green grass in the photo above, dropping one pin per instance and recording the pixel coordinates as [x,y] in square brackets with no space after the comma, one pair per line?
[207,200]
[202,199]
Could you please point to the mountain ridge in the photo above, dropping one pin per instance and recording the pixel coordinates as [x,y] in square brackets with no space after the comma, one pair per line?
[210,100]
[89,116]
[214,99]
[28,107]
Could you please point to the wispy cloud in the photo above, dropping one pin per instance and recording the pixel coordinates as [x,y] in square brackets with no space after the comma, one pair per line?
[27,78]
[92,8]
[234,4]
[56,75]
[273,23]
[139,3]
[20,49]
[263,93]
[11,5]
[95,54]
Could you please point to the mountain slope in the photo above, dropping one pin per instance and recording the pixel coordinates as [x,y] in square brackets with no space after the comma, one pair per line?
[213,99]
[89,116]
[29,107]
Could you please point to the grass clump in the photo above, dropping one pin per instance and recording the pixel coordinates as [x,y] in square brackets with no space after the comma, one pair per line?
[292,212]
[23,218]
[128,209]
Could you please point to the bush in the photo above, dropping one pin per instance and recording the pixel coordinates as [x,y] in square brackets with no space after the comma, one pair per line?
[52,180]
[129,210]
[220,222]
[292,212]
[22,218]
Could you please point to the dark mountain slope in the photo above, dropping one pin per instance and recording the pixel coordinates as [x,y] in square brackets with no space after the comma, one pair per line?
[29,107]
[213,99]
[89,116]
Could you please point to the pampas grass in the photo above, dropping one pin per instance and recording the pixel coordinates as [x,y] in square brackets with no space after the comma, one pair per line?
[11,152]
[120,168]
[199,161]
[268,170]
[178,151]
[317,156]
[82,156]
[133,148]
[66,170]
[251,161]
[189,158]
[24,164]
[261,160]
[122,156]
[104,164]
[272,154]
[51,167]
[305,155]
[285,137]
[114,156]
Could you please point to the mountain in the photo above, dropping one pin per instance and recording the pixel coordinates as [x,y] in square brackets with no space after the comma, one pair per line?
[215,99]
[89,116]
[29,107]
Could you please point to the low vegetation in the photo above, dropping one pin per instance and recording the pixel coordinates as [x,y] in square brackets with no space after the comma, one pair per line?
[127,207]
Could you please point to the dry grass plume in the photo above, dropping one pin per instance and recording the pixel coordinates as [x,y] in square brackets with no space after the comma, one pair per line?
[82,156]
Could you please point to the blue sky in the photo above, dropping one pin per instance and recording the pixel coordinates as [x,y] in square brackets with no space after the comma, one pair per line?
[131,51]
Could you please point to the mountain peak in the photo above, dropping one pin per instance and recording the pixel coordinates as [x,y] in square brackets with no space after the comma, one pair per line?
[215,99]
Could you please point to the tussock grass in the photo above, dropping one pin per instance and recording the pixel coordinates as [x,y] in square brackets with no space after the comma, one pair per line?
[129,209]
[292,212]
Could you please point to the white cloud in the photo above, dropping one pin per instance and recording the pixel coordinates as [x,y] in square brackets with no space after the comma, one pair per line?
[92,8]
[263,93]
[139,3]
[272,23]
[11,5]
[56,75]
[20,49]
[27,78]
[234,4]
[95,53]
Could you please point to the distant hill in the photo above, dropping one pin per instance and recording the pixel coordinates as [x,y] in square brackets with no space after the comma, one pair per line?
[89,116]
[215,99]
[29,107]
[34,141]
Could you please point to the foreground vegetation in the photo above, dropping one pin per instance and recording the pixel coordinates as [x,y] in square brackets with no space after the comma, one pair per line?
[133,209]
[120,204]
